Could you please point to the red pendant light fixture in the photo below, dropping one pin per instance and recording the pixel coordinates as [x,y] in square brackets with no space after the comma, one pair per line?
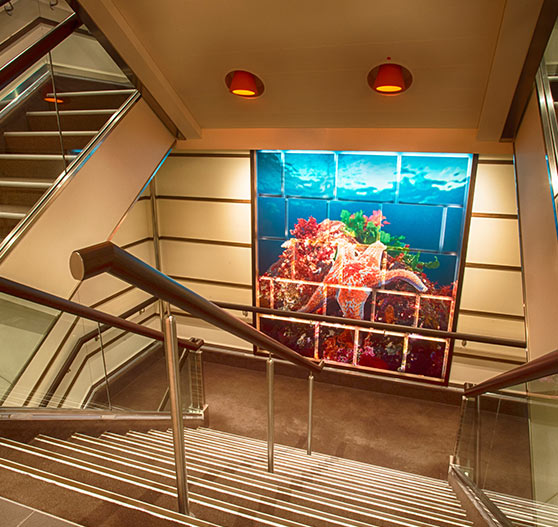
[244,84]
[389,78]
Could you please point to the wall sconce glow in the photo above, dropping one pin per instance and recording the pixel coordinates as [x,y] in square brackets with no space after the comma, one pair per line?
[244,84]
[389,78]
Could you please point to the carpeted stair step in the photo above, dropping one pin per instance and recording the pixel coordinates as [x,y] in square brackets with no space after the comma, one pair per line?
[147,447]
[218,503]
[92,99]
[329,466]
[47,141]
[144,452]
[265,484]
[257,446]
[84,504]
[523,511]
[32,166]
[69,119]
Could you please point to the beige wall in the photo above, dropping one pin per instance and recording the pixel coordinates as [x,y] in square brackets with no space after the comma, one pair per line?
[538,233]
[492,294]
[204,225]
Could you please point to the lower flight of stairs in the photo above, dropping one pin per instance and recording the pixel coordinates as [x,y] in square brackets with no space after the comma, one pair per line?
[120,480]
[525,512]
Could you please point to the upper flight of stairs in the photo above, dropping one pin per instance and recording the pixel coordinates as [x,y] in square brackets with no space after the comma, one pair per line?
[120,480]
[30,145]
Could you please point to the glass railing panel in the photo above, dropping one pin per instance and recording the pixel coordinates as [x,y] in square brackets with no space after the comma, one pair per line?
[90,88]
[465,447]
[23,327]
[48,116]
[508,449]
[18,27]
[136,372]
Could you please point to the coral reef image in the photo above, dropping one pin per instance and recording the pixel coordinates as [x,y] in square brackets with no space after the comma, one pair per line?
[361,236]
[354,268]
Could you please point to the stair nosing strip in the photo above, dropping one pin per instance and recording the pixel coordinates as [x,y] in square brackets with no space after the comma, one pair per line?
[331,467]
[270,486]
[146,452]
[338,481]
[103,494]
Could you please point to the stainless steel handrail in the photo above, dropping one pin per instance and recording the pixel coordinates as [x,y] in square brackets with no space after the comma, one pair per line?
[108,257]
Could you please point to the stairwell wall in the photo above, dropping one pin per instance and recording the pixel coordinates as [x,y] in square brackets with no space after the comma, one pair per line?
[205,236]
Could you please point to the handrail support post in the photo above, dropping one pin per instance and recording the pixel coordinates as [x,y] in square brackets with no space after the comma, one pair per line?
[270,414]
[171,355]
[478,479]
[310,411]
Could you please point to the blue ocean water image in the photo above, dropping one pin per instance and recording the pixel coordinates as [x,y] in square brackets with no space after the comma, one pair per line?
[434,179]
[367,177]
[310,175]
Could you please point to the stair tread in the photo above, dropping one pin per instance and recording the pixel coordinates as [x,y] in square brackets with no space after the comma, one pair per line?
[156,515]
[229,484]
[200,487]
[89,93]
[280,487]
[36,157]
[26,183]
[50,133]
[72,112]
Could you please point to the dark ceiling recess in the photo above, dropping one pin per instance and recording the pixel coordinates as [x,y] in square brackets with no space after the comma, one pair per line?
[541,34]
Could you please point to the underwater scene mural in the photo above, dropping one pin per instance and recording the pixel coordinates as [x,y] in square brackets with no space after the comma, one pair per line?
[361,235]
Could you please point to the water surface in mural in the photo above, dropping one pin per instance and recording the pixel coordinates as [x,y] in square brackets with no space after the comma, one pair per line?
[361,235]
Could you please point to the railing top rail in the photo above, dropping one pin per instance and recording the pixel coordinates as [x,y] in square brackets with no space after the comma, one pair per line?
[376,325]
[530,371]
[61,304]
[107,257]
[39,49]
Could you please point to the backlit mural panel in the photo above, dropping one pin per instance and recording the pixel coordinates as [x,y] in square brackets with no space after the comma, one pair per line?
[361,235]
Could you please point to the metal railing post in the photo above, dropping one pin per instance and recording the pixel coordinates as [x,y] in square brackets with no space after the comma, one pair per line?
[171,354]
[310,411]
[270,415]
[477,478]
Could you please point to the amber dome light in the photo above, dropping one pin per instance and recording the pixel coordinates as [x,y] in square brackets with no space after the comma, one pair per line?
[389,78]
[244,84]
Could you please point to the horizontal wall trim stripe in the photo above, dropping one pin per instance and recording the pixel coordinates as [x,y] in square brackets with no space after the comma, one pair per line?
[493,267]
[207,154]
[205,241]
[143,198]
[495,161]
[211,282]
[198,198]
[476,356]
[137,242]
[490,314]
[495,215]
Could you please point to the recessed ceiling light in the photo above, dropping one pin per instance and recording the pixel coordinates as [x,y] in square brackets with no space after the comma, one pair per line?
[244,84]
[389,78]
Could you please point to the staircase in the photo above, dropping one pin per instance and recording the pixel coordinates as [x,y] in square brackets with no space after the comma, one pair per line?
[119,480]
[30,145]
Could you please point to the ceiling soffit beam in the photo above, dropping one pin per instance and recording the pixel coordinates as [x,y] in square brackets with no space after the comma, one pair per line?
[114,27]
[541,36]
[385,139]
[517,28]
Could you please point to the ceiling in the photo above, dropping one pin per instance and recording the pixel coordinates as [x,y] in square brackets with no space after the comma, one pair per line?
[314,56]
